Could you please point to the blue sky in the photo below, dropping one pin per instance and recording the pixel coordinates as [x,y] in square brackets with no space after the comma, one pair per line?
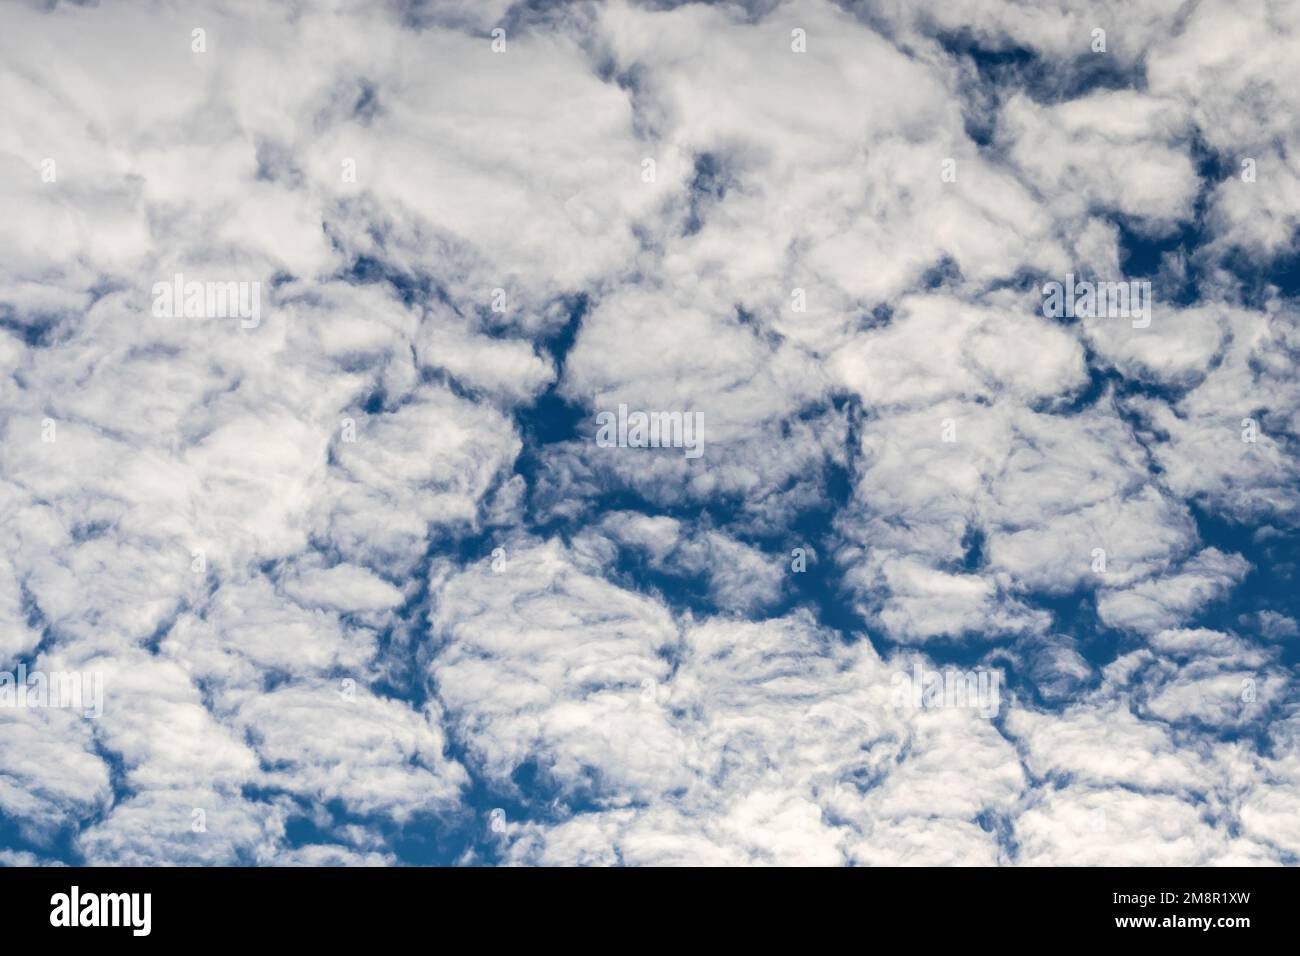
[362,584]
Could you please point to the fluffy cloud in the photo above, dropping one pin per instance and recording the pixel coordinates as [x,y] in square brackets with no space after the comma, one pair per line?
[355,566]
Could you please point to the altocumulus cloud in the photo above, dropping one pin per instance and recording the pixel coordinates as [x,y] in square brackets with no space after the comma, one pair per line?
[363,588]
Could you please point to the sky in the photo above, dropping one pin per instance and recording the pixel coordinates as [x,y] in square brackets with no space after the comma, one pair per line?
[361,579]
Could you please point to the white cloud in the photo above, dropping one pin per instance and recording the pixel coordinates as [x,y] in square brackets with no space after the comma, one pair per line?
[231,522]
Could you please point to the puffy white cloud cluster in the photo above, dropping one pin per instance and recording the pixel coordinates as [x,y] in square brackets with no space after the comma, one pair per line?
[716,741]
[275,541]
